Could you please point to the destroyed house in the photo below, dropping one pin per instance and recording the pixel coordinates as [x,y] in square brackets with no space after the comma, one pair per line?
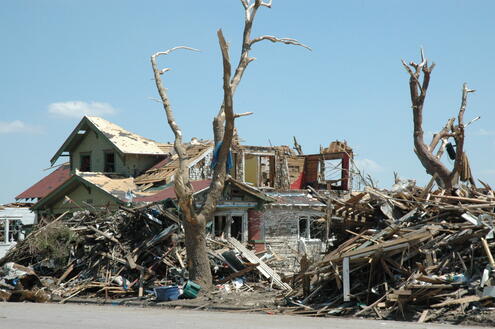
[279,168]
[265,201]
[97,145]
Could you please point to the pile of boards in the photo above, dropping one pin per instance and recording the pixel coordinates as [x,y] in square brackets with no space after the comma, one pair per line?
[107,254]
[407,254]
[125,253]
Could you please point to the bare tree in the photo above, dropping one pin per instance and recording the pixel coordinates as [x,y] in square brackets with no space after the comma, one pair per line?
[195,220]
[418,84]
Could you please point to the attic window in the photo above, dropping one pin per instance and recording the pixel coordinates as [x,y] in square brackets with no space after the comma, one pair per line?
[109,162]
[81,132]
[85,162]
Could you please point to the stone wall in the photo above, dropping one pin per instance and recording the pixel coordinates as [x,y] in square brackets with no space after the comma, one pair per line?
[281,234]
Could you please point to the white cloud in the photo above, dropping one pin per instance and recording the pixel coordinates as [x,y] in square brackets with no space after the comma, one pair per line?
[18,126]
[77,109]
[368,166]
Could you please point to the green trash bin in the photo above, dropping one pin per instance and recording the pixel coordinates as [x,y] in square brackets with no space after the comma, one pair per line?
[191,289]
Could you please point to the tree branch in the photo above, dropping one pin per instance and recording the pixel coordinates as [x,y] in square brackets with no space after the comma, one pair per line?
[183,187]
[287,41]
[220,170]
[251,8]
[459,133]
[238,115]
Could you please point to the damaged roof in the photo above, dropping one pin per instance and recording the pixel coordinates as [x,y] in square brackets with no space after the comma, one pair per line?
[294,199]
[124,141]
[169,192]
[47,184]
[195,152]
[117,187]
[250,190]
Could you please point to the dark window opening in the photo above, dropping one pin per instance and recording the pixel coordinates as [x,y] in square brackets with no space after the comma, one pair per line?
[236,227]
[312,228]
[303,227]
[109,162]
[220,225]
[267,171]
[222,229]
[85,163]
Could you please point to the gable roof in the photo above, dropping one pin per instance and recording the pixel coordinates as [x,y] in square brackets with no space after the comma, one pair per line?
[47,184]
[116,188]
[124,141]
[249,189]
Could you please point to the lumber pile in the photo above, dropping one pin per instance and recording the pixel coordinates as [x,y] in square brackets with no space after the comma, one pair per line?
[126,253]
[408,254]
[109,255]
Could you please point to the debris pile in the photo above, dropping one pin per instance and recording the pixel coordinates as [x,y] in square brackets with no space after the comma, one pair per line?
[132,252]
[403,254]
[407,253]
[96,254]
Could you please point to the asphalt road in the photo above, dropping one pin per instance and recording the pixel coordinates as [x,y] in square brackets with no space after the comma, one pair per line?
[55,316]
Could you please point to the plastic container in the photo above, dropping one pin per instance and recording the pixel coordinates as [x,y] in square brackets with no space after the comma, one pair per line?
[167,293]
[191,289]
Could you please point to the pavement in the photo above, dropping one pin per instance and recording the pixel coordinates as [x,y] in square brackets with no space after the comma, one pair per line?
[79,316]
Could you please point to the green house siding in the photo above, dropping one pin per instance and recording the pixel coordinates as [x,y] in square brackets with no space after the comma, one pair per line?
[81,195]
[96,146]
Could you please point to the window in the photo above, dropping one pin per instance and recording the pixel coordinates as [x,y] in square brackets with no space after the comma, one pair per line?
[219,226]
[85,162]
[230,225]
[109,162]
[312,228]
[10,230]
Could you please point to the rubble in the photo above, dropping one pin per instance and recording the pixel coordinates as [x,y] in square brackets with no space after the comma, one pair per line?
[130,252]
[408,253]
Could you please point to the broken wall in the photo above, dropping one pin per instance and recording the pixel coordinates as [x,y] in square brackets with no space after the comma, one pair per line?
[202,169]
[281,233]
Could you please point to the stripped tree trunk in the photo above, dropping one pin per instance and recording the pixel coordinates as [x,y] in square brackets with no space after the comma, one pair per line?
[445,177]
[195,220]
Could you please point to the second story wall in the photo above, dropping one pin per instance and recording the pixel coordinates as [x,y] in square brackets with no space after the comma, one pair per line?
[95,153]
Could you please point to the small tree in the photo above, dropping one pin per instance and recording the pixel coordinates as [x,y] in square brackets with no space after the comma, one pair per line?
[223,129]
[418,84]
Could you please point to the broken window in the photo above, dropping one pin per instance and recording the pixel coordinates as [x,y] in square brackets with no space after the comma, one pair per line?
[267,171]
[85,162]
[109,162]
[312,228]
[331,171]
[259,170]
[9,230]
[229,226]
[219,226]
[236,227]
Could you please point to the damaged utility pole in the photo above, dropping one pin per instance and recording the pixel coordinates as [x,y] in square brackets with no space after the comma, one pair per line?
[223,128]
[418,84]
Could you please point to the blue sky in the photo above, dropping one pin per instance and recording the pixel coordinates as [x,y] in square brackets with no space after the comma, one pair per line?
[63,58]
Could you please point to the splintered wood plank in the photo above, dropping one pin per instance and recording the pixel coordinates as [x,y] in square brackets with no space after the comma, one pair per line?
[463,300]
[264,269]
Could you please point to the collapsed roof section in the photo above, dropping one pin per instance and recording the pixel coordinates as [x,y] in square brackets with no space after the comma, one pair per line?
[164,172]
[125,142]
